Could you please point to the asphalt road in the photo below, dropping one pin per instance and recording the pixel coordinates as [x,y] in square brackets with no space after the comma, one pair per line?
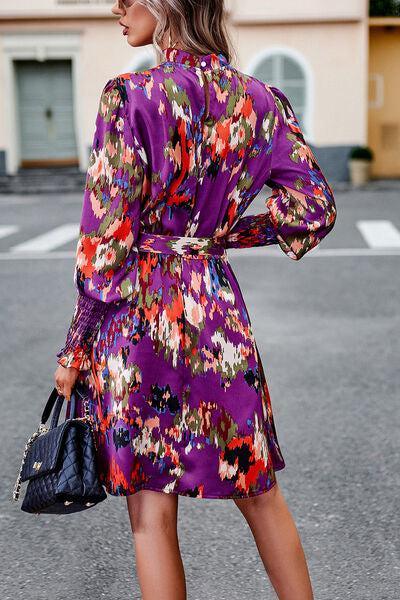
[328,331]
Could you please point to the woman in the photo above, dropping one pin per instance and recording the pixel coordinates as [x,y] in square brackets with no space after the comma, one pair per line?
[161,335]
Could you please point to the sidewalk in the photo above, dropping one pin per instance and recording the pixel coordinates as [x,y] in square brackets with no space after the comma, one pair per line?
[371,186]
[71,180]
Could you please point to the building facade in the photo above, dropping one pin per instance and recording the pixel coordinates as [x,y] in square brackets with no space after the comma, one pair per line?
[56,55]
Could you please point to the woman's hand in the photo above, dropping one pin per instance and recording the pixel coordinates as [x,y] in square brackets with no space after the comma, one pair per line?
[65,378]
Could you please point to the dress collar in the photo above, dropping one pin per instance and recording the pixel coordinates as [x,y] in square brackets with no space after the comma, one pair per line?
[205,61]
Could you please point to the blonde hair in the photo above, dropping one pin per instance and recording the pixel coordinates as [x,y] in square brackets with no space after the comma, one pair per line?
[200,25]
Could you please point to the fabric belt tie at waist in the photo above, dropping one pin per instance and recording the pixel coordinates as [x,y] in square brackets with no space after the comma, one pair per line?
[191,247]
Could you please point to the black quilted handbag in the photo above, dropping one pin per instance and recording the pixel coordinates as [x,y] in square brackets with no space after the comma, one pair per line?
[60,463]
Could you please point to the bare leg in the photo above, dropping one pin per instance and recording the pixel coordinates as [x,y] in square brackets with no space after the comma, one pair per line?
[278,543]
[153,517]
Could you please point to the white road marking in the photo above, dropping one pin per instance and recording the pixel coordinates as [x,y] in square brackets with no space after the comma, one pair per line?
[6,230]
[322,252]
[379,234]
[49,240]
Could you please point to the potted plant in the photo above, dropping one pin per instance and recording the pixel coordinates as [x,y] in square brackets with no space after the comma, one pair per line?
[360,159]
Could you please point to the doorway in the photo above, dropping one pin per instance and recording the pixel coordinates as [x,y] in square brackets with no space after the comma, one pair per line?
[45,113]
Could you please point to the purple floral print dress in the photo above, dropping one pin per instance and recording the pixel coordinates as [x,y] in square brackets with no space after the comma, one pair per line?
[160,333]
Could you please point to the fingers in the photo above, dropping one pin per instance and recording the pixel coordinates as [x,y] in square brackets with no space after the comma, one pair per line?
[65,379]
[59,385]
[64,390]
[67,391]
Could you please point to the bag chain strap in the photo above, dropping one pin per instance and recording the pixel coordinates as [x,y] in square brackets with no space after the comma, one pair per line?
[40,430]
[87,418]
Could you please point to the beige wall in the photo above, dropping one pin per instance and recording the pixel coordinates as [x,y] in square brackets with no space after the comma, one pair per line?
[53,8]
[295,11]
[337,57]
[290,10]
[335,54]
[102,54]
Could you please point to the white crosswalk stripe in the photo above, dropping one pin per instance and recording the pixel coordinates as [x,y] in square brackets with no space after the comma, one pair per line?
[379,234]
[6,230]
[50,240]
[381,237]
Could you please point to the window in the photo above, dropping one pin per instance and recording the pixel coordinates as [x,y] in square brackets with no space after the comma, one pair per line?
[287,73]
[384,8]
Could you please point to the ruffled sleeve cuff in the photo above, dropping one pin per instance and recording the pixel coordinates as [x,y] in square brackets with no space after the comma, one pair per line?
[88,316]
[301,221]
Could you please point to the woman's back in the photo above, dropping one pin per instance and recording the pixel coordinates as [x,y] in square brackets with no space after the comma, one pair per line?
[202,142]
[161,330]
[202,139]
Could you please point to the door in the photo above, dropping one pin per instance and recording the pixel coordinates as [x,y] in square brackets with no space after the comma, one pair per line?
[46,113]
[384,105]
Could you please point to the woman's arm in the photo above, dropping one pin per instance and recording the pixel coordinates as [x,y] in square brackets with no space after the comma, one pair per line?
[301,209]
[106,258]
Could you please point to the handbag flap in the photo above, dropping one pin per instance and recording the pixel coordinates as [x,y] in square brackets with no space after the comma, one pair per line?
[44,452]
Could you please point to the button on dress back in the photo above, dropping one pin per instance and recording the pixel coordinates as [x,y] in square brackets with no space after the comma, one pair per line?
[192,59]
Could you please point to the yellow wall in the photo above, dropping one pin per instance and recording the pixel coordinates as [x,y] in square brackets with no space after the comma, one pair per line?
[384,112]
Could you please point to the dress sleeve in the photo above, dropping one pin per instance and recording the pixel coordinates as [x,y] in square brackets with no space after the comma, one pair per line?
[106,258]
[301,208]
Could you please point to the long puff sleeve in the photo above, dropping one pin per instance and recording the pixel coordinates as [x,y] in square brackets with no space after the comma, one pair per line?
[106,257]
[301,210]
[302,207]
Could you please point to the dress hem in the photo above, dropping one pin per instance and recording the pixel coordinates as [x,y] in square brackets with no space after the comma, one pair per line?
[208,496]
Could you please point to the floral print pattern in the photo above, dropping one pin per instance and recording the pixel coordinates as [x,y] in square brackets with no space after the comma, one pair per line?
[160,333]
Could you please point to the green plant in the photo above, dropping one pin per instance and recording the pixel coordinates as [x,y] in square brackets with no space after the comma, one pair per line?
[384,8]
[361,152]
